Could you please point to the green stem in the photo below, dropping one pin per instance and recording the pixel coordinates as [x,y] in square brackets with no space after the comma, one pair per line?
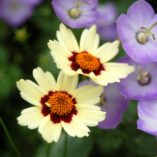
[9,137]
[48,150]
[65,146]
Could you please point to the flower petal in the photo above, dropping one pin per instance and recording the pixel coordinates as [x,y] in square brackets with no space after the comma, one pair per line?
[67,83]
[31,117]
[113,73]
[88,94]
[30,91]
[90,116]
[58,49]
[141,12]
[44,80]
[76,127]
[148,126]
[67,38]
[114,104]
[89,40]
[147,109]
[108,51]
[50,131]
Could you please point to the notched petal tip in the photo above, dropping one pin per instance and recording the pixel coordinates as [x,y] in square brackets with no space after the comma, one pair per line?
[116,43]
[19,83]
[93,29]
[62,26]
[132,68]
[37,70]
[50,44]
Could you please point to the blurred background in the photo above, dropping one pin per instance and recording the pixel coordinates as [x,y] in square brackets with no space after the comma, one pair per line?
[23,47]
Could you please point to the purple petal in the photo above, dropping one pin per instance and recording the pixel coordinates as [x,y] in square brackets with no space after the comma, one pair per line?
[147,126]
[106,25]
[126,29]
[34,2]
[108,32]
[114,107]
[130,87]
[147,109]
[140,53]
[141,12]
[147,112]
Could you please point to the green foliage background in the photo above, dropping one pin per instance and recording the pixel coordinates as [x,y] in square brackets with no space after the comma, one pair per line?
[25,48]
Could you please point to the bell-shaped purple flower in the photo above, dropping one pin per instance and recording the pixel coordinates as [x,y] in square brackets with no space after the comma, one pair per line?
[16,12]
[147,112]
[114,104]
[106,25]
[141,84]
[76,13]
[137,31]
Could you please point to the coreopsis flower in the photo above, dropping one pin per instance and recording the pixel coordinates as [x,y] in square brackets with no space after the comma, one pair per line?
[106,24]
[112,102]
[76,13]
[140,85]
[16,12]
[87,58]
[58,105]
[137,31]
[147,112]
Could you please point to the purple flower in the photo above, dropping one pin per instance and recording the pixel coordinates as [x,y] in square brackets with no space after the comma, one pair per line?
[76,13]
[16,12]
[106,25]
[113,103]
[137,31]
[34,2]
[147,112]
[141,84]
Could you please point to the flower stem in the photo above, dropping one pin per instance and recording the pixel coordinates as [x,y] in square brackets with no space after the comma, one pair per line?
[9,138]
[65,152]
[48,150]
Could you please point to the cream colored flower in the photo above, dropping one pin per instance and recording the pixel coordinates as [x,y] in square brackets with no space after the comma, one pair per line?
[59,105]
[87,58]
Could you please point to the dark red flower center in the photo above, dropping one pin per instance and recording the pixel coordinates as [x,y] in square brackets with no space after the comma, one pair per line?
[86,62]
[60,105]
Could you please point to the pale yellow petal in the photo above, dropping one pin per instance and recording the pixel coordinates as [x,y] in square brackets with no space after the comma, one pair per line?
[31,117]
[31,91]
[66,37]
[58,49]
[76,127]
[108,51]
[89,40]
[44,80]
[90,116]
[66,83]
[88,94]
[50,131]
[113,73]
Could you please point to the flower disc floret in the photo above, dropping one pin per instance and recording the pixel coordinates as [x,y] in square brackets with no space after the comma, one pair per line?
[61,103]
[87,61]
